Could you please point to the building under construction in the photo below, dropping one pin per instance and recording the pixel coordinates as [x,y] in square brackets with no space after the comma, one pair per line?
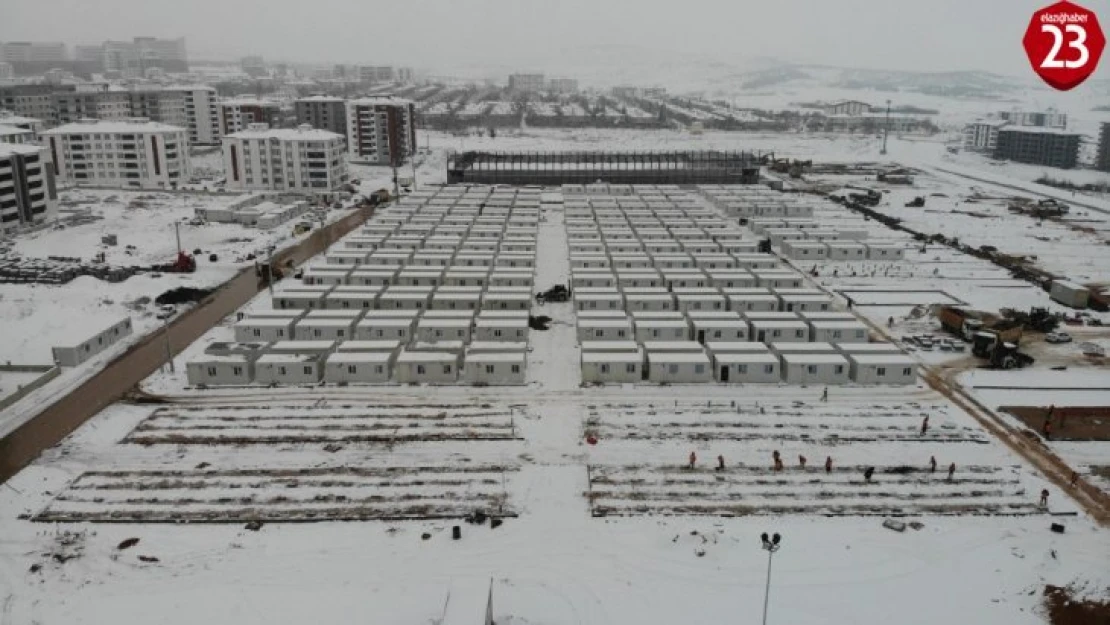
[557,168]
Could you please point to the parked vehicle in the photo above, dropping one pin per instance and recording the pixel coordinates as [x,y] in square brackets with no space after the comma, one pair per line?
[1057,337]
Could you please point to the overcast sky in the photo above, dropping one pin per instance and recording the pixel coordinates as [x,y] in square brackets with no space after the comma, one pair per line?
[929,35]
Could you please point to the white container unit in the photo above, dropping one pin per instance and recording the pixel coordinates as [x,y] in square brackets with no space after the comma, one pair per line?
[426,367]
[771,331]
[839,331]
[675,367]
[370,367]
[814,368]
[662,330]
[500,330]
[599,329]
[288,369]
[746,368]
[495,369]
[886,369]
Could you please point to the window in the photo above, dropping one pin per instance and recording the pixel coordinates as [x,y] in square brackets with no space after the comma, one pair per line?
[212,371]
[420,369]
[489,369]
[907,371]
[716,334]
[447,369]
[308,370]
[516,368]
[630,368]
[811,369]
[699,369]
[599,333]
[881,371]
[672,369]
[741,368]
[281,370]
[379,369]
[839,369]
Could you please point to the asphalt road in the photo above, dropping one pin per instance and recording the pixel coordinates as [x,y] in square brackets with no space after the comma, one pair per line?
[54,423]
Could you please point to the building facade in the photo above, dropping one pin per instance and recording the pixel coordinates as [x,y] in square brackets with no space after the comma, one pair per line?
[1038,146]
[848,107]
[375,73]
[202,117]
[28,195]
[34,57]
[297,160]
[982,135]
[527,83]
[133,153]
[563,85]
[236,115]
[323,113]
[1040,119]
[1102,157]
[381,131]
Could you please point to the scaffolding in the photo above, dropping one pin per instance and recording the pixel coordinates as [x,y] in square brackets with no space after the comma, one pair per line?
[557,168]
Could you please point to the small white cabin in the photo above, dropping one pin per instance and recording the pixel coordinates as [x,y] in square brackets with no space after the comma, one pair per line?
[495,369]
[363,367]
[422,367]
[805,303]
[494,329]
[506,299]
[839,331]
[885,251]
[470,299]
[847,250]
[892,369]
[675,367]
[310,329]
[385,329]
[805,250]
[264,330]
[288,369]
[594,329]
[402,298]
[782,348]
[814,368]
[869,348]
[771,331]
[612,367]
[746,368]
[719,330]
[598,300]
[443,329]
[662,330]
[229,370]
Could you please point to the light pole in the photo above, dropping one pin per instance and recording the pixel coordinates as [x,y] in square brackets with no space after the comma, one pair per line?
[886,130]
[770,545]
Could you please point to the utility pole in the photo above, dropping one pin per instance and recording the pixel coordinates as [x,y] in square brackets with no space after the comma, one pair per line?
[177,234]
[886,130]
[169,350]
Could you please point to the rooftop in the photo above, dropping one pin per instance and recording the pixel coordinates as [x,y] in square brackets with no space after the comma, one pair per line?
[13,149]
[815,359]
[1039,130]
[304,132]
[137,125]
[381,99]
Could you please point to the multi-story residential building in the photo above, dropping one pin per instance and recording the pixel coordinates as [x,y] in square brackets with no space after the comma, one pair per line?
[10,119]
[404,74]
[88,60]
[982,135]
[31,58]
[35,101]
[6,71]
[1051,147]
[1102,157]
[1046,119]
[27,192]
[237,114]
[202,116]
[14,135]
[527,83]
[848,107]
[297,160]
[381,130]
[70,106]
[128,153]
[562,85]
[323,112]
[375,73]
[159,105]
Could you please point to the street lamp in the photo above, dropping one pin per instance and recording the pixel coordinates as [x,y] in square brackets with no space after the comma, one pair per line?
[770,545]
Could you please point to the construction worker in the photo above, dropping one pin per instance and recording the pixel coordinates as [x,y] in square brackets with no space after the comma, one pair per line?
[867,473]
[720,463]
[828,464]
[802,461]
[1044,497]
[925,425]
[693,459]
[932,464]
[825,394]
[1047,429]
[951,471]
[777,460]
[1074,478]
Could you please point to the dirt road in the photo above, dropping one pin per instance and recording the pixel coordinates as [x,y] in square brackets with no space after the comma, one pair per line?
[54,423]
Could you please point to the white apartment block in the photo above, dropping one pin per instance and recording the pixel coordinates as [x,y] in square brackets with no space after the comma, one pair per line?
[381,130]
[134,153]
[238,114]
[296,160]
[27,192]
[202,116]
[982,135]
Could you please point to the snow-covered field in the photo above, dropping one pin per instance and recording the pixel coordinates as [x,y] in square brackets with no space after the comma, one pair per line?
[615,532]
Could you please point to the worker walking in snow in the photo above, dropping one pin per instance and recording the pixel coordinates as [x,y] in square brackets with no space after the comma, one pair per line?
[925,425]
[828,464]
[1044,497]
[802,461]
[825,394]
[693,459]
[932,464]
[1046,429]
[1074,478]
[867,473]
[720,463]
[777,459]
[951,471]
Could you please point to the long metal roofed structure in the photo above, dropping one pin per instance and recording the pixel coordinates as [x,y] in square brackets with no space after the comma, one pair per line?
[555,168]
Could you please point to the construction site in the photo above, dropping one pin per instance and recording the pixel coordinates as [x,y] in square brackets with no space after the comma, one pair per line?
[698,362]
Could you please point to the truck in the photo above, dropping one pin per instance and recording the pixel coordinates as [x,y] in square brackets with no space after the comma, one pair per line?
[967,323]
[1001,354]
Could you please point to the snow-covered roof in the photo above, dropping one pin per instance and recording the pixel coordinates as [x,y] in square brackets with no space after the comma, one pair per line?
[321,98]
[380,100]
[303,132]
[677,357]
[426,357]
[11,149]
[357,357]
[7,117]
[250,102]
[495,357]
[752,357]
[87,126]
[607,357]
[1040,130]
[814,359]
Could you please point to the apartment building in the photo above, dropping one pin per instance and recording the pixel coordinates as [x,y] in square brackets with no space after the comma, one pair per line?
[323,113]
[202,116]
[1102,157]
[982,135]
[527,83]
[298,160]
[1051,147]
[35,101]
[1050,118]
[7,72]
[27,192]
[131,153]
[563,85]
[381,130]
[238,114]
[33,57]
[375,73]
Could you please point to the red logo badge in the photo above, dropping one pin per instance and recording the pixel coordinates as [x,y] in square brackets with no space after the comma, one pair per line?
[1064,42]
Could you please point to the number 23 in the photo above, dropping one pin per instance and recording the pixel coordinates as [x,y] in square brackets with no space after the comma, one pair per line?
[1078,43]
